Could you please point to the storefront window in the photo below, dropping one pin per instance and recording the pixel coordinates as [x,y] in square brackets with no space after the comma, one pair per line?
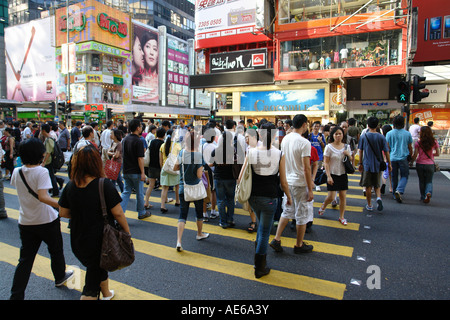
[291,11]
[350,51]
[105,93]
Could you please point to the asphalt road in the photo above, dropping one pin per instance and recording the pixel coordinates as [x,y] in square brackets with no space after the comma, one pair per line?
[399,254]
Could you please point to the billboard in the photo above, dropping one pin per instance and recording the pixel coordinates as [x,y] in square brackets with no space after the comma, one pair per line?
[144,64]
[433,31]
[30,61]
[177,72]
[238,60]
[284,100]
[227,22]
[93,21]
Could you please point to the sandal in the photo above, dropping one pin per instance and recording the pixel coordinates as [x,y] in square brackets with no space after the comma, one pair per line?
[251,227]
[343,221]
[149,206]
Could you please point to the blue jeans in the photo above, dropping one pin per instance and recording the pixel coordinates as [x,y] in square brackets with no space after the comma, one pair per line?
[225,198]
[425,173]
[119,180]
[402,167]
[133,181]
[264,209]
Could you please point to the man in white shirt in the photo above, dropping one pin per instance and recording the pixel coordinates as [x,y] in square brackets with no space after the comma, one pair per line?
[415,131]
[105,140]
[297,152]
[27,132]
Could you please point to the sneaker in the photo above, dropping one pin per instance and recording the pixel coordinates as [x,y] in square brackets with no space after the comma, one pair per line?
[305,248]
[69,274]
[398,197]
[335,202]
[321,211]
[369,208]
[317,188]
[145,215]
[203,236]
[343,221]
[223,225]
[427,198]
[276,245]
[213,215]
[379,205]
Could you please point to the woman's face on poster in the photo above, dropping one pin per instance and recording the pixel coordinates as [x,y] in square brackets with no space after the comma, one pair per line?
[151,53]
[138,54]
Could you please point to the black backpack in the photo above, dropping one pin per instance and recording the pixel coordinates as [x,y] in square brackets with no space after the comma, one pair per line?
[57,156]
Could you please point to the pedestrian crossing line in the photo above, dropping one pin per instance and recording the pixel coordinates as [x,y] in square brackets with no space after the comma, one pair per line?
[326,288]
[42,269]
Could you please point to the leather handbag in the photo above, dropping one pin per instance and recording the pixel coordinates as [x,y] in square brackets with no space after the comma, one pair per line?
[112,169]
[349,169]
[170,163]
[244,187]
[192,192]
[117,247]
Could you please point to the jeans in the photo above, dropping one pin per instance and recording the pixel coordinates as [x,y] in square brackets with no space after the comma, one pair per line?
[402,167]
[264,209]
[133,181]
[31,237]
[184,209]
[119,180]
[225,198]
[425,173]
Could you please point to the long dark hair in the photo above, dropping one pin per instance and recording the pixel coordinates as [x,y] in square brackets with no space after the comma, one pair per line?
[168,142]
[427,140]
[268,134]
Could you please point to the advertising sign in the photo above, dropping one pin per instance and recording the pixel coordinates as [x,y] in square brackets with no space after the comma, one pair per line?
[433,30]
[238,60]
[144,64]
[177,72]
[30,62]
[93,21]
[440,117]
[227,22]
[283,100]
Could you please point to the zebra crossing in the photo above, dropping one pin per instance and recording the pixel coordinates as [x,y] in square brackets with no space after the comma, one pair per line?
[334,247]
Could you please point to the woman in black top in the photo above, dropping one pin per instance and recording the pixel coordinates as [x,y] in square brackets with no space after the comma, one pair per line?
[80,201]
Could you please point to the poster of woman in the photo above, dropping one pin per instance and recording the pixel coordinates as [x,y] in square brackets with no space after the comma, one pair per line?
[145,64]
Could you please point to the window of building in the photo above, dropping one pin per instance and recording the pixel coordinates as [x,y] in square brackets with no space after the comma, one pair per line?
[291,11]
[348,51]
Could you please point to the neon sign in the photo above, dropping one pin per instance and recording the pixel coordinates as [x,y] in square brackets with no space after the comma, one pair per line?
[77,22]
[112,25]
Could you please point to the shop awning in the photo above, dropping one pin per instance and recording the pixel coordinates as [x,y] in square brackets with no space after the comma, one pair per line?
[165,110]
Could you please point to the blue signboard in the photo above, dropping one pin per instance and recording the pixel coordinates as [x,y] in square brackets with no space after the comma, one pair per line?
[284,100]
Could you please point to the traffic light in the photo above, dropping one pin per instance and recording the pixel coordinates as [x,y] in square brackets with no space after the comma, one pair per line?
[52,108]
[108,113]
[403,92]
[68,107]
[213,114]
[417,86]
[62,106]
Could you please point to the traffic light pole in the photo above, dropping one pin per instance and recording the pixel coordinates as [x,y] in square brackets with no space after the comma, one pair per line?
[407,105]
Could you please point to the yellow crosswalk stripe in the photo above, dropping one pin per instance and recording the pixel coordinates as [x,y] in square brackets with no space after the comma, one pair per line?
[41,268]
[307,284]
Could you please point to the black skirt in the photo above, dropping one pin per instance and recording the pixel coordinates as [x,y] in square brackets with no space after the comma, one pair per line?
[339,183]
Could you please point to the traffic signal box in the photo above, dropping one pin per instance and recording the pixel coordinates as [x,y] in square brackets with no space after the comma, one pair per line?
[417,86]
[403,92]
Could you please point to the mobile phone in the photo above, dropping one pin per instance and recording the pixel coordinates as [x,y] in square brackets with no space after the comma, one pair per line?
[435,28]
[447,27]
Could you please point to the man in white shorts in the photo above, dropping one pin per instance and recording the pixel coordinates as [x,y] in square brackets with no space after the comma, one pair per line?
[297,151]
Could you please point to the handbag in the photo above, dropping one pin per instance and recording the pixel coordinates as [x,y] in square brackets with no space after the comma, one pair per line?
[117,247]
[112,169]
[349,169]
[383,164]
[31,191]
[244,187]
[147,157]
[436,166]
[321,177]
[192,192]
[170,163]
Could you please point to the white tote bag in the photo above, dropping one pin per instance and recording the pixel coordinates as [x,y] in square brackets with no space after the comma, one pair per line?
[244,188]
[170,163]
[192,192]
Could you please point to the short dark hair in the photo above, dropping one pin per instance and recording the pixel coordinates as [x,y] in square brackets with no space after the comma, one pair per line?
[372,122]
[86,131]
[161,132]
[351,121]
[399,122]
[31,151]
[416,120]
[109,123]
[166,123]
[229,124]
[45,127]
[299,120]
[133,125]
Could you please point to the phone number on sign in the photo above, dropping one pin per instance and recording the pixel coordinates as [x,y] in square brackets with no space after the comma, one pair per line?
[210,23]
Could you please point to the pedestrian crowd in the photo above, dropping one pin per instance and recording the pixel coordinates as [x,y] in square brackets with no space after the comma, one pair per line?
[287,163]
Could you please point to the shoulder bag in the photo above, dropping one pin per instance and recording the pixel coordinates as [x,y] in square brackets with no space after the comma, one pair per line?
[170,163]
[117,247]
[31,191]
[244,187]
[383,164]
[192,192]
[348,165]
[436,166]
